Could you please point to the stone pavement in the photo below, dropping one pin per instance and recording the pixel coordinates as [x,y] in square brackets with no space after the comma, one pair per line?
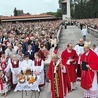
[71,34]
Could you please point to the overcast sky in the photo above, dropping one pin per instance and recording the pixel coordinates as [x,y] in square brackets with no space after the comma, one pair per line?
[31,6]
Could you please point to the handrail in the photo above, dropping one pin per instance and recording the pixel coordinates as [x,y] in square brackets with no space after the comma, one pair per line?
[58,34]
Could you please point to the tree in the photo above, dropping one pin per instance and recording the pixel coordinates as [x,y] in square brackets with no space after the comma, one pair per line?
[60,3]
[59,13]
[51,13]
[15,12]
[85,9]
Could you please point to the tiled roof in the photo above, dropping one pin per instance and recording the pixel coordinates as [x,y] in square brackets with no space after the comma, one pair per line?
[26,16]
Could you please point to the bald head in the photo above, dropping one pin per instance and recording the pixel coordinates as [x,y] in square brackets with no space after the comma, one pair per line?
[81,41]
[70,46]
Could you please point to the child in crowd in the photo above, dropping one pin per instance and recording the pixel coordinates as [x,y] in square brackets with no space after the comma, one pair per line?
[3,83]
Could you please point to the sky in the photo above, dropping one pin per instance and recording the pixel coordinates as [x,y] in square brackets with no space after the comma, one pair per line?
[31,6]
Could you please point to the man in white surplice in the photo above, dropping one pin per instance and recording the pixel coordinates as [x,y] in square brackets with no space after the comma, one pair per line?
[79,50]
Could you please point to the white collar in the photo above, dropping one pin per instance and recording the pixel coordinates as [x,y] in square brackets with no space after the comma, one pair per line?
[87,53]
[29,50]
[69,51]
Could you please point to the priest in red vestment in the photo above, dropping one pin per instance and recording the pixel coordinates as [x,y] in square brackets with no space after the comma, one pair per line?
[89,63]
[59,78]
[70,60]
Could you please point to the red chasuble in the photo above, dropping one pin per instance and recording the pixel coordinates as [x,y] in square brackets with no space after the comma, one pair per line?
[72,67]
[63,83]
[88,76]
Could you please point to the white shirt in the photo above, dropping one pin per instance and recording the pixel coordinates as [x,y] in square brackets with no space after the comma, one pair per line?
[9,52]
[84,32]
[30,51]
[53,42]
[26,64]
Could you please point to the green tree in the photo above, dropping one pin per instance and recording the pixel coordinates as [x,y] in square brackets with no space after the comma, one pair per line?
[85,9]
[15,12]
[59,13]
[51,13]
[60,3]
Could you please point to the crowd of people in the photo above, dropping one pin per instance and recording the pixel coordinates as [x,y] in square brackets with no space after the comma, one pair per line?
[25,46]
[93,23]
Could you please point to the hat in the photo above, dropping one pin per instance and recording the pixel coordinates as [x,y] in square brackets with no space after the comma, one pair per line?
[26,54]
[87,44]
[54,56]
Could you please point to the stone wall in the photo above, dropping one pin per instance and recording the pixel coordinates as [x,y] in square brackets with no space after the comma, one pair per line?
[93,32]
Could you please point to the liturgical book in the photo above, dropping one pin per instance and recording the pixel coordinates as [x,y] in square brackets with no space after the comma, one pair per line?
[84,67]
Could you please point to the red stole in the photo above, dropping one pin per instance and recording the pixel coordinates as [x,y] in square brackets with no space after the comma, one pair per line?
[37,63]
[1,83]
[15,65]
